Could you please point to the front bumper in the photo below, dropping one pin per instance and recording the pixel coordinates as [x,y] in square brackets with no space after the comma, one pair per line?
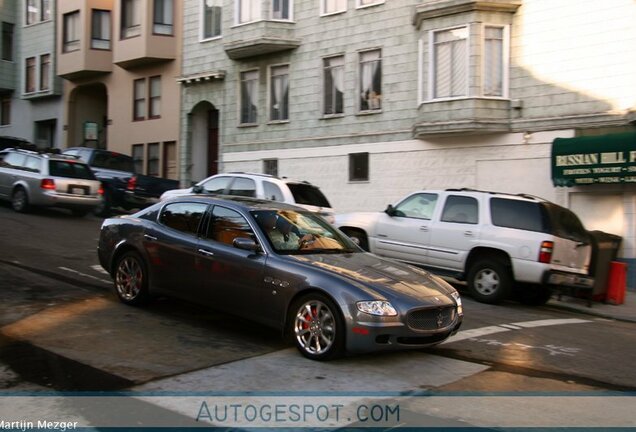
[368,335]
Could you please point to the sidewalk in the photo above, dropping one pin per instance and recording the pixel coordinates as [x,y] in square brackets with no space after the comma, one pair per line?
[623,312]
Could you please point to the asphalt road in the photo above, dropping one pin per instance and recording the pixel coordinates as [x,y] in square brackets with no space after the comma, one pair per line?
[58,311]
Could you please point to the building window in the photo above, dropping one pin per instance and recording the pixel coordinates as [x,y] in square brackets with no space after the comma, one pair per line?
[282,10]
[371,80]
[163,17]
[333,78]
[249,97]
[279,93]
[363,3]
[494,61]
[155,97]
[450,63]
[211,19]
[71,40]
[7,41]
[29,82]
[130,18]
[37,11]
[45,72]
[332,6]
[139,99]
[152,167]
[100,30]
[359,167]
[138,157]
[5,110]
[247,11]
[270,166]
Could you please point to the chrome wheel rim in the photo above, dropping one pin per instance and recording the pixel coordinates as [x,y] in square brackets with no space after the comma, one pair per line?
[315,327]
[487,282]
[129,278]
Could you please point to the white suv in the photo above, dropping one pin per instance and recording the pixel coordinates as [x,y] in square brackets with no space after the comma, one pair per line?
[263,186]
[491,240]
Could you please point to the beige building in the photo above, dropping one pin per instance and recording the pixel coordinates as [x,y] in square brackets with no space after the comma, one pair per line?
[119,60]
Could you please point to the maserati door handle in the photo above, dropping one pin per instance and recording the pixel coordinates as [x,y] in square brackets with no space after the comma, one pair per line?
[205,252]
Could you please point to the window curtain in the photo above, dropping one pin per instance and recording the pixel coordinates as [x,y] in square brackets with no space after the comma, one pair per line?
[493,61]
[337,78]
[451,73]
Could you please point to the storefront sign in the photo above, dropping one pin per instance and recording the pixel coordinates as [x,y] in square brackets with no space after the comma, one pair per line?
[603,159]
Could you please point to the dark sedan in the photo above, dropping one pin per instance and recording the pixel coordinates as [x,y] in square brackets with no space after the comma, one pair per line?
[281,266]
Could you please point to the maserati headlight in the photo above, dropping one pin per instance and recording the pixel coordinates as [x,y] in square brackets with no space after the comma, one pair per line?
[458,300]
[377,307]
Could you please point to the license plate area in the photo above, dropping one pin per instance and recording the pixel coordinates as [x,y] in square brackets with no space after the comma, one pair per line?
[78,190]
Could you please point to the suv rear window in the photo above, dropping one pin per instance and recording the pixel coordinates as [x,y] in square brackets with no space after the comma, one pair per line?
[68,169]
[113,161]
[523,215]
[566,224]
[308,195]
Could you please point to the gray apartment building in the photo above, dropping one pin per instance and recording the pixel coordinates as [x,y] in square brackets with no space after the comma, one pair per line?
[372,99]
[30,91]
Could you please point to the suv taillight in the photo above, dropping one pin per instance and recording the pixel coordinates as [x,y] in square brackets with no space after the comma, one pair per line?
[48,184]
[100,191]
[132,183]
[545,253]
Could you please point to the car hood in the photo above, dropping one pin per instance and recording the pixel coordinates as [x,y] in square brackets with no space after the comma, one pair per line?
[176,192]
[380,277]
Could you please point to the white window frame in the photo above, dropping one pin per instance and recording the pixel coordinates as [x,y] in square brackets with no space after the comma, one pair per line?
[323,8]
[505,64]
[202,37]
[324,85]
[431,63]
[270,79]
[359,79]
[255,8]
[291,11]
[240,96]
[359,4]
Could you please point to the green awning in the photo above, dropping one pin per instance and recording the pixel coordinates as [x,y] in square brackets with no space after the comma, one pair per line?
[602,159]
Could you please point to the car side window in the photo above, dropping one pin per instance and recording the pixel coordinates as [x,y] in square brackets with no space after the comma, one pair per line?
[226,225]
[184,217]
[15,160]
[243,187]
[32,164]
[523,215]
[272,192]
[216,185]
[460,209]
[418,206]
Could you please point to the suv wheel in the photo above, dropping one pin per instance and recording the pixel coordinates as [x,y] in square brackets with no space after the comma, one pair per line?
[489,280]
[358,237]
[20,200]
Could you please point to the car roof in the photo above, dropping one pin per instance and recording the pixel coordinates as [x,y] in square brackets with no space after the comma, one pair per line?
[46,153]
[265,176]
[520,196]
[245,203]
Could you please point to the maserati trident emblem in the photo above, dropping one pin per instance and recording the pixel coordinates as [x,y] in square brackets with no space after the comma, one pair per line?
[440,319]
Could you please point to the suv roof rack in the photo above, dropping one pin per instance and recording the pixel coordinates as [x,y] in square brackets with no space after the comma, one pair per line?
[522,195]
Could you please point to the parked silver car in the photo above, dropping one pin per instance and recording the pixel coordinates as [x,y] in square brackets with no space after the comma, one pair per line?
[29,178]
